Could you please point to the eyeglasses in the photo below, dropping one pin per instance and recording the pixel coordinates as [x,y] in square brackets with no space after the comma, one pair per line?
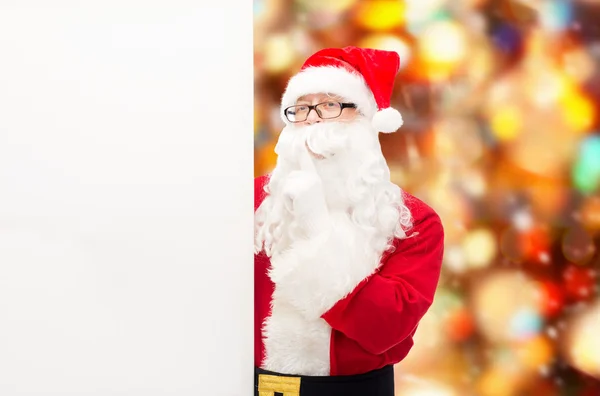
[325,110]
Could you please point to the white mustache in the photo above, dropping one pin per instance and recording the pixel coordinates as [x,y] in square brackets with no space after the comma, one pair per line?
[326,140]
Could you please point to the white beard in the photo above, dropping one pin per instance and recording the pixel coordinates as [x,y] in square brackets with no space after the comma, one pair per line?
[355,179]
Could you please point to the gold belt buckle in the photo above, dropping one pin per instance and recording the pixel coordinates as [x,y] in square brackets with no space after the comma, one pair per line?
[269,384]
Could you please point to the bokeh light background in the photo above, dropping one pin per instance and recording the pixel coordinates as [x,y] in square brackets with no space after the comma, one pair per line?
[501,137]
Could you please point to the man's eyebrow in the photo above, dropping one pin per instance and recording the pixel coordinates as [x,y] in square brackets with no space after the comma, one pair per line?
[324,99]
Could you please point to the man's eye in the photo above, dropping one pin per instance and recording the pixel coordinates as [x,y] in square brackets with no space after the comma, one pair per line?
[301,108]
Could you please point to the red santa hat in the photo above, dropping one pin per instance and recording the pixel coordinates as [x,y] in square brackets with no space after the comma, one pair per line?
[363,76]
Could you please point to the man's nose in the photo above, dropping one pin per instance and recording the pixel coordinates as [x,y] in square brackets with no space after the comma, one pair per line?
[313,117]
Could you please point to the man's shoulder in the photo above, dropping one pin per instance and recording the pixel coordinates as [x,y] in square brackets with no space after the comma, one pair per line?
[419,210]
[426,224]
[260,181]
[259,189]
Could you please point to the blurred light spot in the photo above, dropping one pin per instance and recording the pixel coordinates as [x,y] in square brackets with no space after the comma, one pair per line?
[536,352]
[586,170]
[551,298]
[577,110]
[582,343]
[579,282]
[578,246]
[454,259]
[443,42]
[590,213]
[457,140]
[474,183]
[479,247]
[498,297]
[555,15]
[336,6]
[522,220]
[279,53]
[380,15]
[579,65]
[258,8]
[526,323]
[460,324]
[415,386]
[506,122]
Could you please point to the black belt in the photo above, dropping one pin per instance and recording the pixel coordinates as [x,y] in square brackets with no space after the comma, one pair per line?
[375,383]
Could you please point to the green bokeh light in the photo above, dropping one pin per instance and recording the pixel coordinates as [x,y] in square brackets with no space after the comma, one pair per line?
[586,169]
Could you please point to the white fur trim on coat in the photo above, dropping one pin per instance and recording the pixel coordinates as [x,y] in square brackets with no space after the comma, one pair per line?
[294,344]
[330,79]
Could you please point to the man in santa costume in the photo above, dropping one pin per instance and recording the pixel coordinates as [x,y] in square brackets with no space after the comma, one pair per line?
[346,263]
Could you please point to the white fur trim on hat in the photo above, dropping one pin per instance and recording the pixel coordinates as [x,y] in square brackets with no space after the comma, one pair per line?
[387,120]
[330,79]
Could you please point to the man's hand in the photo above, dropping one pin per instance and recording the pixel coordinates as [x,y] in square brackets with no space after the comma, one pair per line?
[304,198]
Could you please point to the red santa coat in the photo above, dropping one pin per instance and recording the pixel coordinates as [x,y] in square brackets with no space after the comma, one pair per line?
[373,326]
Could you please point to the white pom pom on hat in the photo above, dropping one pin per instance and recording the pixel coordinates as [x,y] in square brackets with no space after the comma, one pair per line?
[387,120]
[362,75]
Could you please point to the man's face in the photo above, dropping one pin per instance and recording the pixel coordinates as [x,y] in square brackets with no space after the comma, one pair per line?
[321,124]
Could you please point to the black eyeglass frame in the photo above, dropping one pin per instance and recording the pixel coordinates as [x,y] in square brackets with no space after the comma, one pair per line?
[343,105]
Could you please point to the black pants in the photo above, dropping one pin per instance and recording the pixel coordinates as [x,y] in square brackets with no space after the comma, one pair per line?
[375,383]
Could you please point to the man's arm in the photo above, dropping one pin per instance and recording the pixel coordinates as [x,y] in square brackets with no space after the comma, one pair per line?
[383,311]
